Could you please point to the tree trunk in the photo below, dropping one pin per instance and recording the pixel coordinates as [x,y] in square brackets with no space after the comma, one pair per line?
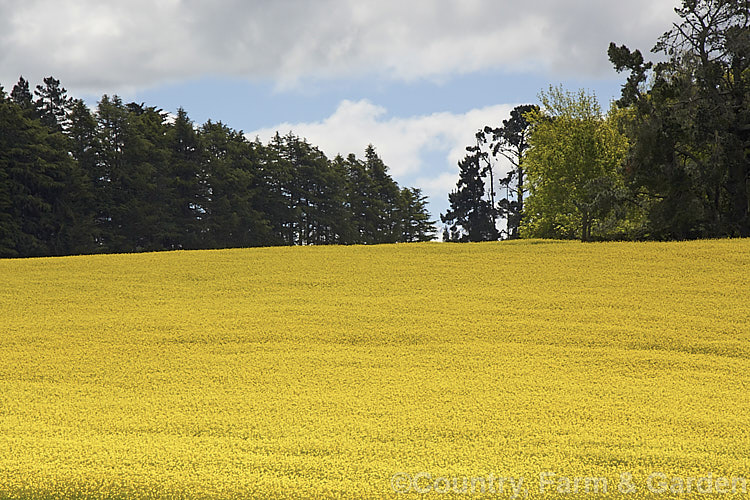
[519,217]
[739,209]
[743,205]
[585,229]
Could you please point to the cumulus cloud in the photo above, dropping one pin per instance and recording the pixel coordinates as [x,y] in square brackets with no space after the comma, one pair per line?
[104,46]
[421,151]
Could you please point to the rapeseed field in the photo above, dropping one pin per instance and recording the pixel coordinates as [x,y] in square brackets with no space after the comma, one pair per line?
[506,370]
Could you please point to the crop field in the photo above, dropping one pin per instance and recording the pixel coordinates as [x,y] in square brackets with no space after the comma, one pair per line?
[508,370]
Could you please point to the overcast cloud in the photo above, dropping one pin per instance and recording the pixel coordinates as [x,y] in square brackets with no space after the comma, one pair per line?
[96,46]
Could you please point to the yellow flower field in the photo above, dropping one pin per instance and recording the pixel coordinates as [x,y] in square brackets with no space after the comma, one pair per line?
[512,370]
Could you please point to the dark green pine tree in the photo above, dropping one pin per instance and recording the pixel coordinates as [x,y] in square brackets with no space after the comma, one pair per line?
[359,188]
[146,177]
[9,227]
[234,211]
[511,142]
[107,177]
[277,170]
[383,219]
[311,170]
[83,146]
[131,178]
[43,188]
[308,165]
[53,105]
[21,96]
[334,214]
[415,221]
[73,218]
[189,193]
[82,133]
[470,216]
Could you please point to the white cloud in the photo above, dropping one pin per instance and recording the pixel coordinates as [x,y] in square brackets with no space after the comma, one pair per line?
[421,151]
[437,188]
[106,46]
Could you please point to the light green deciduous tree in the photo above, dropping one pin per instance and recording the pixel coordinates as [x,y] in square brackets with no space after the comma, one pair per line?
[572,168]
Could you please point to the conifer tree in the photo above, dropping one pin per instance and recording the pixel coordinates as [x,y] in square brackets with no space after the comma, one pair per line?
[21,94]
[510,141]
[234,209]
[470,216]
[53,105]
[415,220]
[382,219]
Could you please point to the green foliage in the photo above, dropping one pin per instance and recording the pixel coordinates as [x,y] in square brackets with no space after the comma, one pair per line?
[186,184]
[471,217]
[41,189]
[234,210]
[382,213]
[415,223]
[53,104]
[21,94]
[125,178]
[672,162]
[571,168]
[510,141]
[690,127]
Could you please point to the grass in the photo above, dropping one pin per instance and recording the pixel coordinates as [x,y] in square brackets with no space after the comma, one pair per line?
[323,371]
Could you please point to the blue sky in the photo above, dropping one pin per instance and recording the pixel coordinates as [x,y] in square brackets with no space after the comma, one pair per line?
[416,79]
[252,105]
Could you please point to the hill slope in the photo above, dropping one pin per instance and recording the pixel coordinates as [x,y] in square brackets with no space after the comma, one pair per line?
[324,371]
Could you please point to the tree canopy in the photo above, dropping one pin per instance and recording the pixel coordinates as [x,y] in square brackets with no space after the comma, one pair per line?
[690,126]
[671,160]
[571,167]
[471,216]
[127,177]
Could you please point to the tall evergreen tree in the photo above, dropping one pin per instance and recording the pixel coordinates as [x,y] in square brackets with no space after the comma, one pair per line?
[511,142]
[82,133]
[339,218]
[9,226]
[53,105]
[21,95]
[189,190]
[108,190]
[306,188]
[415,223]
[382,218]
[359,200]
[147,176]
[691,122]
[131,181]
[281,204]
[470,216]
[234,210]
[42,188]
[324,194]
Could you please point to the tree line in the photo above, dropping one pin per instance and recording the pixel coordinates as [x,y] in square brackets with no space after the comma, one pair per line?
[130,177]
[669,160]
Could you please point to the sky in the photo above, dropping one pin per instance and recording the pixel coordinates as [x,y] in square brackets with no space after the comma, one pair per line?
[414,78]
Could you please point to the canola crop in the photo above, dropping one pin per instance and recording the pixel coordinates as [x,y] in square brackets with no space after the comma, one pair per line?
[530,369]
